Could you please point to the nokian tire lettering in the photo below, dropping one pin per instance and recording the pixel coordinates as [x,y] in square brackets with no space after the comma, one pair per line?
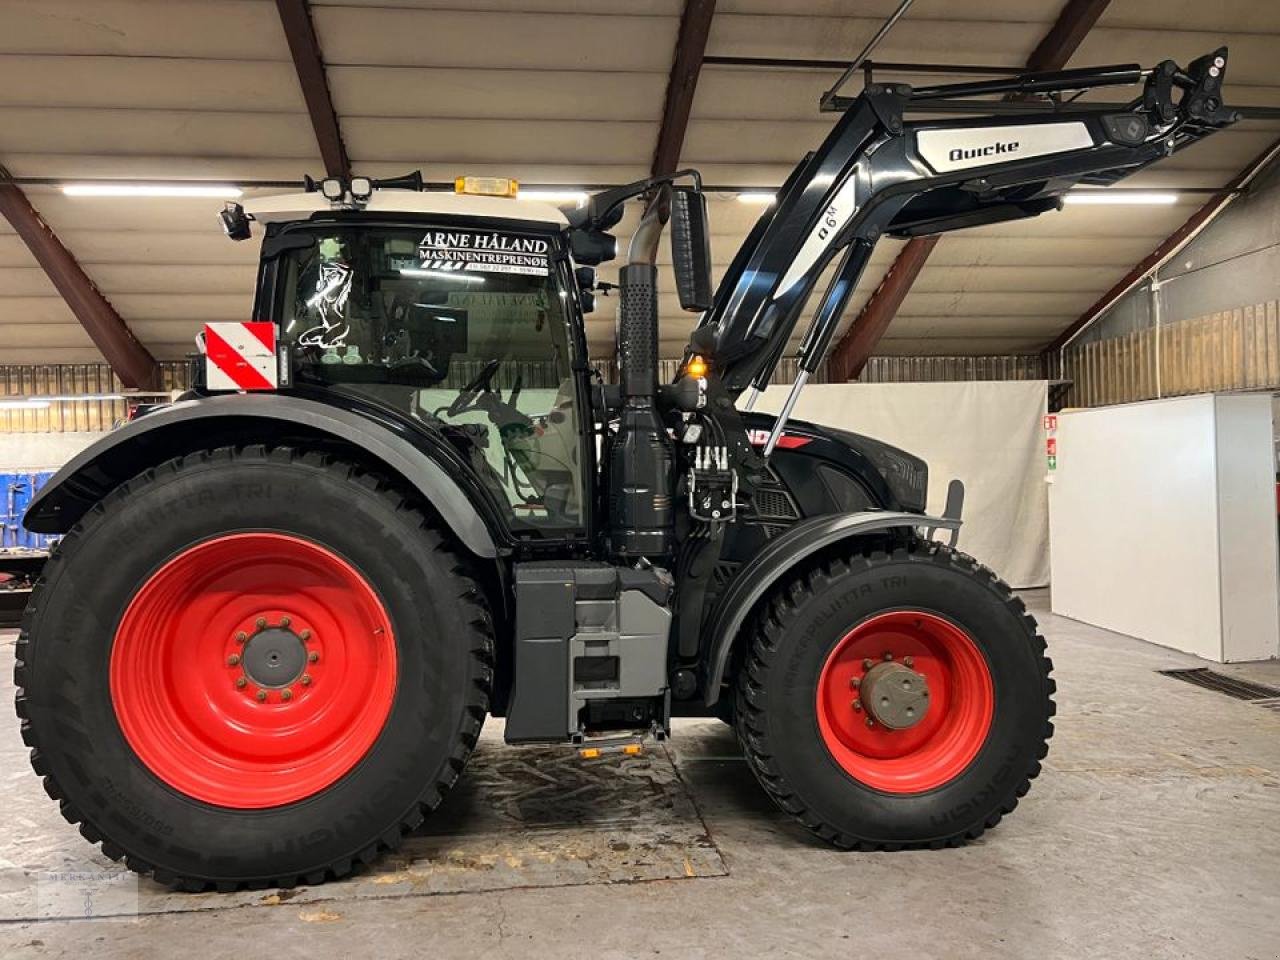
[444,647]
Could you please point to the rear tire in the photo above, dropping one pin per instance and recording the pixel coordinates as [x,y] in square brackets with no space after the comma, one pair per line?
[953,774]
[155,630]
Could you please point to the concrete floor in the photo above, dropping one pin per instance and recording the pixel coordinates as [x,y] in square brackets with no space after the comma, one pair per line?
[1154,832]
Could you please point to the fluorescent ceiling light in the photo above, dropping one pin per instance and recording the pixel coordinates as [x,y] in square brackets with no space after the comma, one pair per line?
[42,403]
[439,274]
[761,198]
[77,397]
[1123,197]
[576,197]
[148,190]
[24,404]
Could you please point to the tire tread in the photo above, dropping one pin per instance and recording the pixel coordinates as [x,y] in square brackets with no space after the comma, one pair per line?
[480,639]
[759,650]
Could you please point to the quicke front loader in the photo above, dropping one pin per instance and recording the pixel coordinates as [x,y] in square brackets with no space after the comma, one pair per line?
[282,607]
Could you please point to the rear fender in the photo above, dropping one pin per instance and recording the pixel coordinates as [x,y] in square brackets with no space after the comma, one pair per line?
[779,557]
[190,425]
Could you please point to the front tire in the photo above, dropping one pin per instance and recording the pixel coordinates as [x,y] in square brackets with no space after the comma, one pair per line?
[252,667]
[967,727]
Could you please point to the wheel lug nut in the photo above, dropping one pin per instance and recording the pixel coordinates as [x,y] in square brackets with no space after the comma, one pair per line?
[857,704]
[241,683]
[305,680]
[870,722]
[261,623]
[304,635]
[286,694]
[855,682]
[233,660]
[241,637]
[285,621]
[887,656]
[313,657]
[867,664]
[909,661]
[261,695]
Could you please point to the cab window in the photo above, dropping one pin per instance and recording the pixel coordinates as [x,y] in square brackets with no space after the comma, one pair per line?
[464,330]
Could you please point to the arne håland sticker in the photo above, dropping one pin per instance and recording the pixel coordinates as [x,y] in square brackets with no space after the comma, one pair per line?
[484,251]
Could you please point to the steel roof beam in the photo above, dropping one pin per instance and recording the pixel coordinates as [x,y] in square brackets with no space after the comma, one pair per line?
[691,46]
[129,359]
[299,31]
[1065,36]
[1169,247]
[793,63]
[854,350]
[850,356]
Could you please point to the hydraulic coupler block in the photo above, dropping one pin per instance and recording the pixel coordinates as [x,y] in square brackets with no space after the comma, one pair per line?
[712,484]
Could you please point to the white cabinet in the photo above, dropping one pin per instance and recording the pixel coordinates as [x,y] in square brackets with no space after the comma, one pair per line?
[1162,523]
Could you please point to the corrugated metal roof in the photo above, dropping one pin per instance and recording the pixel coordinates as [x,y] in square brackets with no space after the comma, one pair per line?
[549,91]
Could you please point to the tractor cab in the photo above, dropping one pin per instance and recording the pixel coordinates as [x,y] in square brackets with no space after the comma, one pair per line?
[457,311]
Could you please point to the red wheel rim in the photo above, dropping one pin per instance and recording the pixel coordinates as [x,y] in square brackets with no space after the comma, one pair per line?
[200,698]
[961,702]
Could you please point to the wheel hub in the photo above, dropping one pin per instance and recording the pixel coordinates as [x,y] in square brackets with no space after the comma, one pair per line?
[895,695]
[253,670]
[905,701]
[274,657]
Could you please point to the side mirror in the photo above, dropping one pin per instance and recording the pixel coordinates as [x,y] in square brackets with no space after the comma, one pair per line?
[586,277]
[592,246]
[691,248]
[235,222]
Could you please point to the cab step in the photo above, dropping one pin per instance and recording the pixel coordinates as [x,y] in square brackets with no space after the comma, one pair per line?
[632,744]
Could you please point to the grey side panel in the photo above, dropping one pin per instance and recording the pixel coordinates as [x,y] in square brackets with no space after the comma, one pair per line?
[635,630]
[54,509]
[585,631]
[782,554]
[545,622]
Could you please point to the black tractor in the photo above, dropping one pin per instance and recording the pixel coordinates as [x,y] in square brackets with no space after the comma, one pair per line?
[400,501]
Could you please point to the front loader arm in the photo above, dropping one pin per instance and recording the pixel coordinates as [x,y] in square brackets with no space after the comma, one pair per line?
[878,173]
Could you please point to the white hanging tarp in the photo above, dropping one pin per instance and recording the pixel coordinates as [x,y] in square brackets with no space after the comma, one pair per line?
[990,434]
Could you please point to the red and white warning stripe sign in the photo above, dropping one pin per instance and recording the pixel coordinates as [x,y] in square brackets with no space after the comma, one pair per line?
[240,356]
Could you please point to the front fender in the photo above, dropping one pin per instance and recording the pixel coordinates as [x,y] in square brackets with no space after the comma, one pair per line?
[181,428]
[779,557]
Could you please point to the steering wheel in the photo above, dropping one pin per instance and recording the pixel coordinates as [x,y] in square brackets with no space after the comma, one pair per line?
[480,384]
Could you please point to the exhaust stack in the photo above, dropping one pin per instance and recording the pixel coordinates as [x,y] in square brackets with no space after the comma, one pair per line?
[640,459]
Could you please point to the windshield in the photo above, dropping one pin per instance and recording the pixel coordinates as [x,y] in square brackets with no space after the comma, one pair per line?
[463,329]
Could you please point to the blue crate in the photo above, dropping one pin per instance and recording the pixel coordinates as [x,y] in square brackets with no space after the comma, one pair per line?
[16,492]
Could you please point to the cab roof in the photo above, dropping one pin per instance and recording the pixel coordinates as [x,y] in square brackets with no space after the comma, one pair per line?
[301,206]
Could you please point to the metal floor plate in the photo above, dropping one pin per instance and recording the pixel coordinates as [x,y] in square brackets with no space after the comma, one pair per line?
[1231,686]
[519,817]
